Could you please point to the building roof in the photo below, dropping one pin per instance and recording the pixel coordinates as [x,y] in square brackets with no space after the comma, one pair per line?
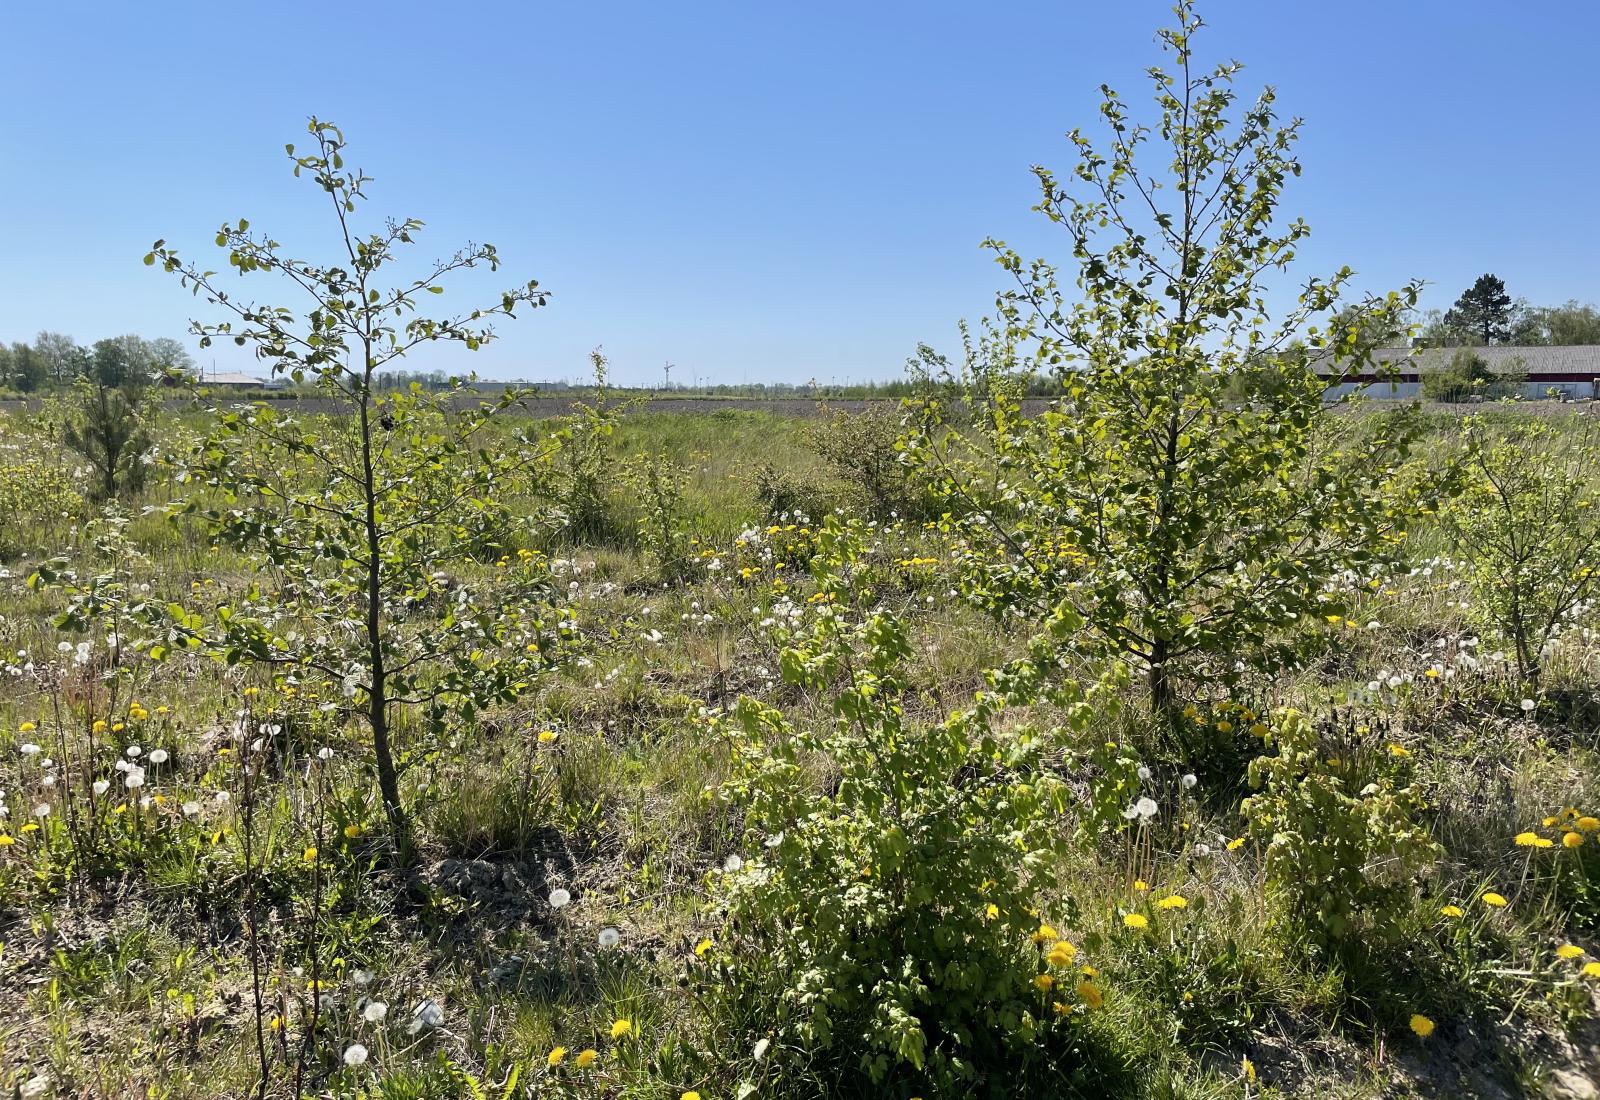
[230,378]
[1569,363]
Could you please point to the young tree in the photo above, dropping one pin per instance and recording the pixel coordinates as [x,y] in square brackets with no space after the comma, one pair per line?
[1484,309]
[359,520]
[107,426]
[1187,497]
[1527,522]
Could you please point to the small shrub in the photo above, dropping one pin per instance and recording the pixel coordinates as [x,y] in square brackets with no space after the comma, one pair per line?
[1337,817]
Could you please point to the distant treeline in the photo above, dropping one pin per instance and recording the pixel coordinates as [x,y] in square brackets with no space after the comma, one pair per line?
[55,360]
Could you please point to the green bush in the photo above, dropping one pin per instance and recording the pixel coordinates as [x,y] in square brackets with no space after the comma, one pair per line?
[885,920]
[1336,814]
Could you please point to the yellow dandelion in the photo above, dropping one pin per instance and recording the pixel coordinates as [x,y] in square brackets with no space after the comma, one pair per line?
[1399,750]
[1140,885]
[1224,726]
[1527,840]
[1062,953]
[1549,821]
[1136,921]
[1450,911]
[1569,951]
[1587,823]
[1061,1009]
[1493,900]
[1591,970]
[546,736]
[1248,1068]
[1090,994]
[1044,982]
[619,1028]
[7,840]
[310,854]
[586,1058]
[352,831]
[690,1095]
[556,1056]
[1260,729]
[1172,901]
[1421,1025]
[1235,844]
[1571,840]
[1045,934]
[27,727]
[701,948]
[991,911]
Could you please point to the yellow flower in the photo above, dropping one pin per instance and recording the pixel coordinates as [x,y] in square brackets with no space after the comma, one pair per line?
[99,725]
[555,1057]
[1260,729]
[1399,750]
[1062,953]
[991,911]
[1140,885]
[6,840]
[1248,1068]
[1569,951]
[619,1028]
[1527,840]
[1549,821]
[33,826]
[1136,921]
[1235,844]
[311,854]
[1045,934]
[1421,1025]
[27,727]
[1591,970]
[352,831]
[1450,911]
[1090,994]
[1571,840]
[1060,1009]
[1224,726]
[1587,824]
[1045,982]
[585,1058]
[690,1095]
[701,948]
[1493,900]
[546,736]
[1172,901]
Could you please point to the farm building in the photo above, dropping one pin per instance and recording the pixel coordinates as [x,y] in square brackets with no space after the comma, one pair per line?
[1569,373]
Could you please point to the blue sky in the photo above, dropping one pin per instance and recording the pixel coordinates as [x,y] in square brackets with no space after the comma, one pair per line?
[755,191]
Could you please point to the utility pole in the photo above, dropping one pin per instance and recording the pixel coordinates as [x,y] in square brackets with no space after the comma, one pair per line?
[667,370]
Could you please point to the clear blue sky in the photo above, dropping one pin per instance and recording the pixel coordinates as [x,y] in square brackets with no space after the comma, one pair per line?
[755,190]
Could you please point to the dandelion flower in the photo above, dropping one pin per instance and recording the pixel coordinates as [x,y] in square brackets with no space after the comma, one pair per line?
[375,1012]
[1090,994]
[1421,1025]
[1587,824]
[1062,953]
[1045,934]
[352,831]
[1189,780]
[158,756]
[1136,921]
[7,840]
[759,1051]
[619,1028]
[1172,901]
[1591,970]
[1527,706]
[1527,840]
[556,1056]
[1140,885]
[610,937]
[690,1095]
[1493,900]
[701,948]
[1044,982]
[559,898]
[991,911]
[355,1055]
[1235,844]
[1571,840]
[101,786]
[1569,951]
[1398,751]
[1248,1068]
[26,727]
[1450,911]
[586,1058]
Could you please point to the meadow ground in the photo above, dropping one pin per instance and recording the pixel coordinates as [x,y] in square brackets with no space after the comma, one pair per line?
[556,928]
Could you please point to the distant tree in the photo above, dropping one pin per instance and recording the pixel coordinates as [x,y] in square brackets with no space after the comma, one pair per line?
[1484,309]
[6,358]
[27,368]
[169,354]
[1558,326]
[60,354]
[1373,329]
[1440,330]
[109,364]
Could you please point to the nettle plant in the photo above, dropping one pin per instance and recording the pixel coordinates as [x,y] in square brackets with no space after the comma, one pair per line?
[359,522]
[1527,523]
[1185,494]
[885,919]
